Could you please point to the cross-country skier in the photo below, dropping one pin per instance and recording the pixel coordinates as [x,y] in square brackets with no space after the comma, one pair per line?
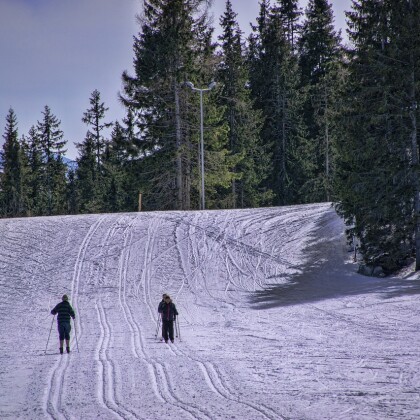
[169,314]
[64,311]
[160,311]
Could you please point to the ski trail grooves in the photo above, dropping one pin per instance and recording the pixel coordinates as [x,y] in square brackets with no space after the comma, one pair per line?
[211,375]
[146,274]
[159,375]
[107,379]
[78,269]
[221,387]
[53,405]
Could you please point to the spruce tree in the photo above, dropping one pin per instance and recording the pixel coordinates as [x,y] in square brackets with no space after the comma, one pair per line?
[174,46]
[274,77]
[93,118]
[54,170]
[12,199]
[88,178]
[320,62]
[35,169]
[121,193]
[90,172]
[162,56]
[72,194]
[243,121]
[377,155]
[290,15]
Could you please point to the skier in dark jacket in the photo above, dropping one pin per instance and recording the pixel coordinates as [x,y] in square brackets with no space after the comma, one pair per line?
[64,311]
[169,314]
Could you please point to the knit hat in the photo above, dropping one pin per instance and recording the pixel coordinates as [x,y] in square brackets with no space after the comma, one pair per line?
[65,297]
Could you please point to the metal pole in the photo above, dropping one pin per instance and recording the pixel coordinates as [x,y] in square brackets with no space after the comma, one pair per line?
[179,330]
[75,334]
[211,86]
[203,200]
[49,336]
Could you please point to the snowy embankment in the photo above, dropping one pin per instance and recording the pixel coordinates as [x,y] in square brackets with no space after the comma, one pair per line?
[274,322]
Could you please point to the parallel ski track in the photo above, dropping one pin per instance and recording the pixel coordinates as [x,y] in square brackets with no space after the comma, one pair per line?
[53,405]
[218,235]
[107,379]
[210,372]
[229,243]
[158,371]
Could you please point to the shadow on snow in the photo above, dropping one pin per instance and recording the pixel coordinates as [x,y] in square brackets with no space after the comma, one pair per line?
[325,274]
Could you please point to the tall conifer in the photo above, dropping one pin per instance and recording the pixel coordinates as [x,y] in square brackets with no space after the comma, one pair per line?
[35,170]
[52,145]
[12,200]
[243,121]
[319,60]
[377,155]
[174,46]
[275,88]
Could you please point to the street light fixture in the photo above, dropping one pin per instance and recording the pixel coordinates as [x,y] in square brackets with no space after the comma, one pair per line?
[211,86]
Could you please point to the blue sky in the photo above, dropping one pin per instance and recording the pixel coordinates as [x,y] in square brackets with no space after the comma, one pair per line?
[57,52]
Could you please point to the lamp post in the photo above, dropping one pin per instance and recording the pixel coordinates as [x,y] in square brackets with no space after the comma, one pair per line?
[211,86]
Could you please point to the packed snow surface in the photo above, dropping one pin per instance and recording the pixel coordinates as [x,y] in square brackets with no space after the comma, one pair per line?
[274,321]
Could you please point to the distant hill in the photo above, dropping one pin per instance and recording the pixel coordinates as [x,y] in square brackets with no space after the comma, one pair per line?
[71,164]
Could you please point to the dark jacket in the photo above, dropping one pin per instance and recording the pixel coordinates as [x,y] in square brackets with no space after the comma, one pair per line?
[169,311]
[161,303]
[63,311]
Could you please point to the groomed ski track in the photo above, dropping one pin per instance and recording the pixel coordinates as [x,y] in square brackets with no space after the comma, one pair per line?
[274,322]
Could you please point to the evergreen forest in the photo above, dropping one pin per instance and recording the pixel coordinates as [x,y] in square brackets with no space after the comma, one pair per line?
[286,115]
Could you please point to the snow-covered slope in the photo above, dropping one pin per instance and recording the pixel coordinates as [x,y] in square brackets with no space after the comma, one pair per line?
[274,323]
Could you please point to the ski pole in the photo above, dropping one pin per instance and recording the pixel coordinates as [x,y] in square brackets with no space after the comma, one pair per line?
[177,324]
[176,328]
[158,324]
[49,336]
[75,334]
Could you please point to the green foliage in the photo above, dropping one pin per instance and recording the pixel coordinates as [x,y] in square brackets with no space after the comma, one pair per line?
[92,195]
[93,118]
[52,171]
[12,198]
[34,173]
[174,46]
[320,58]
[274,78]
[244,123]
[377,155]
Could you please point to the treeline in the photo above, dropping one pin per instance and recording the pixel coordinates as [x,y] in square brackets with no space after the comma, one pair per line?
[293,117]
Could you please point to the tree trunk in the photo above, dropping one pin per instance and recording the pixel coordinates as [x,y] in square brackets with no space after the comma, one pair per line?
[187,188]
